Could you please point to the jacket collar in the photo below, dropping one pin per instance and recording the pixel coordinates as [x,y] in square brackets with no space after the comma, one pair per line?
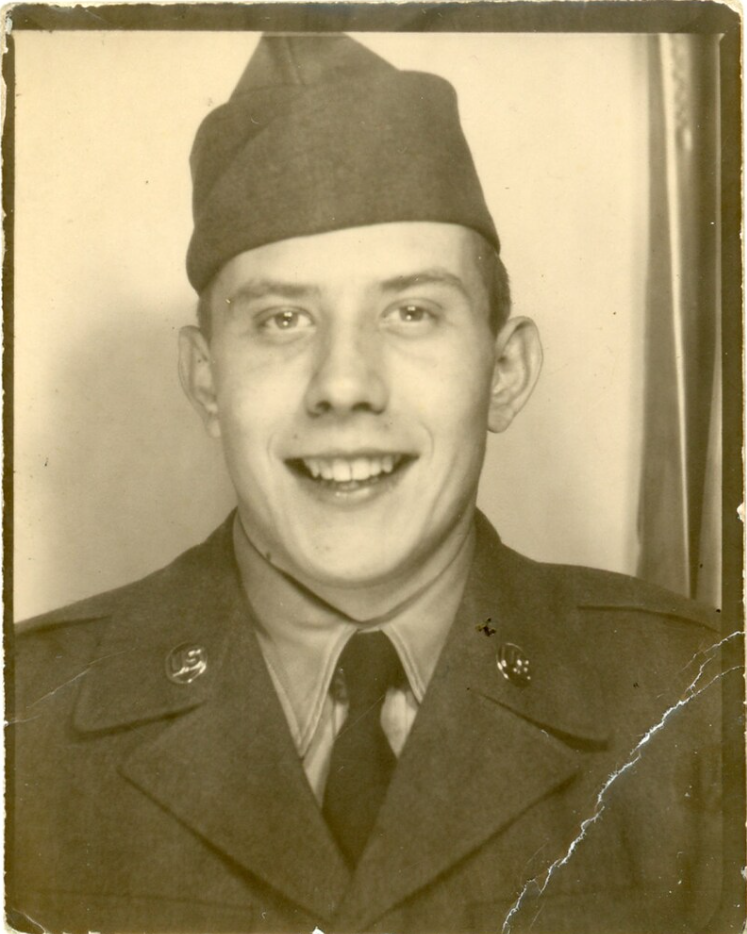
[199,601]
[446,798]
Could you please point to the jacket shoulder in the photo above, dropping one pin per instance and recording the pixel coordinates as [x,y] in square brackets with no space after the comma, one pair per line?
[609,590]
[88,609]
[607,595]
[105,604]
[57,648]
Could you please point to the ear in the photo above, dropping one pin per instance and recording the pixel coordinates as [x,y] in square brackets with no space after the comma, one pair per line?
[518,361]
[196,375]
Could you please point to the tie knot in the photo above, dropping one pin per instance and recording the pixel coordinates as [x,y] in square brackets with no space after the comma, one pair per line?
[370,666]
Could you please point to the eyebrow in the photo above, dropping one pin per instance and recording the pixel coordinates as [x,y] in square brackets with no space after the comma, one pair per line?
[435,276]
[260,288]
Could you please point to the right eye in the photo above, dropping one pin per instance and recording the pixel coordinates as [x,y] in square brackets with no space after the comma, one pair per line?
[287,319]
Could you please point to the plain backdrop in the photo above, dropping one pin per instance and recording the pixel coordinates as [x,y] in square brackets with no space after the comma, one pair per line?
[113,475]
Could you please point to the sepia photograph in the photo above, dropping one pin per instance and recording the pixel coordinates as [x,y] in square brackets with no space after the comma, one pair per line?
[373,478]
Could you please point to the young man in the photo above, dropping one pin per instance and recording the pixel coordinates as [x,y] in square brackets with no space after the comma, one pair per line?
[353,708]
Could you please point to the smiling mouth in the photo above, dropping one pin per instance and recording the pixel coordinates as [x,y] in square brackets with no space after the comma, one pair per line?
[348,474]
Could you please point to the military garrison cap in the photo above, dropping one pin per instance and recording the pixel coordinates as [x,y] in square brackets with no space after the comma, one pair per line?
[321,134]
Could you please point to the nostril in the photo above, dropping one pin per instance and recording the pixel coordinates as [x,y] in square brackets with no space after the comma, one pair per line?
[321,408]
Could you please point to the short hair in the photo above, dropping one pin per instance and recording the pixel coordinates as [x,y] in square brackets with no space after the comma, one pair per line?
[489,264]
[204,311]
[496,282]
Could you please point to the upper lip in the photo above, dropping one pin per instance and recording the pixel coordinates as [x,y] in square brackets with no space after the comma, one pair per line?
[331,454]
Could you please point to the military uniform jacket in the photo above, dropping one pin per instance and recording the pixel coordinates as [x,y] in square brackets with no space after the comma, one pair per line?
[585,799]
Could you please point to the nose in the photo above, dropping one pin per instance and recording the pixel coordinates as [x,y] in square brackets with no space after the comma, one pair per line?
[348,375]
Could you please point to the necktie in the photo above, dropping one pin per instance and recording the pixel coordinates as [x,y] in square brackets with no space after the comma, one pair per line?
[362,760]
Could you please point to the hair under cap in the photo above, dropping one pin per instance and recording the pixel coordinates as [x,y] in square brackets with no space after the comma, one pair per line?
[321,134]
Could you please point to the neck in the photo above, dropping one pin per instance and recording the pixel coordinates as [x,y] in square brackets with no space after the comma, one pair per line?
[378,600]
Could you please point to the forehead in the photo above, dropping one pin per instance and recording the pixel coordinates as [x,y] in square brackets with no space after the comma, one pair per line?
[363,257]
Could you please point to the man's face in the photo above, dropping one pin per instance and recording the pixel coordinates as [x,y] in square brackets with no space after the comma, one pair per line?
[351,374]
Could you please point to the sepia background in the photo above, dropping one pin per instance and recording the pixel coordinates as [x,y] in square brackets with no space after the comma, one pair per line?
[598,158]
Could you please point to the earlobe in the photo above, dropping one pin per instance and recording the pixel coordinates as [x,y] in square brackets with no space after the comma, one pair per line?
[518,362]
[196,376]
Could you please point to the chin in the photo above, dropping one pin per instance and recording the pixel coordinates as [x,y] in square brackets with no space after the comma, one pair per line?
[359,554]
[349,575]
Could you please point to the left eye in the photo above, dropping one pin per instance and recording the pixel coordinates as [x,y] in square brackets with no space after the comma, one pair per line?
[409,314]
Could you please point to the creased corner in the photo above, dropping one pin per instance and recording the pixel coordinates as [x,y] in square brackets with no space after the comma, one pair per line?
[15,918]
[539,883]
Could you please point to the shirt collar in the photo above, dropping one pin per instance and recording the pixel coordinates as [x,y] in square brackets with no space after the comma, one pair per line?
[301,636]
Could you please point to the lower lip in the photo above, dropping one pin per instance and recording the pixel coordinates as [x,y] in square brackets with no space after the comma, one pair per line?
[364,491]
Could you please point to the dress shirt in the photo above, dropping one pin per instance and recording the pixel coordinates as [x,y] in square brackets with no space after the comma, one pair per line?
[302,637]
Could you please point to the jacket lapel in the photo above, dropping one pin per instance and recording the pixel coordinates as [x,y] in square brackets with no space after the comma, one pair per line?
[224,764]
[483,749]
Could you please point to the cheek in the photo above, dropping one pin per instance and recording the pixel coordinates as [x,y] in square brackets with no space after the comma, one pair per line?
[456,396]
[254,404]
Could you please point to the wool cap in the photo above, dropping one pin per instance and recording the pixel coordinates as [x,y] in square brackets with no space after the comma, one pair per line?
[321,134]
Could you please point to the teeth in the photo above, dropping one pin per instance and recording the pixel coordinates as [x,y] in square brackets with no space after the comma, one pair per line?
[325,468]
[343,470]
[362,468]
